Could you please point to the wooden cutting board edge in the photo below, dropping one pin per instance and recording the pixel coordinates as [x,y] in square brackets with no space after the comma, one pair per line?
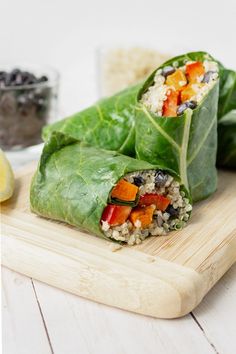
[152,286]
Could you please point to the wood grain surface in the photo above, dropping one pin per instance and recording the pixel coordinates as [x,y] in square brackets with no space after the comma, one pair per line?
[163,277]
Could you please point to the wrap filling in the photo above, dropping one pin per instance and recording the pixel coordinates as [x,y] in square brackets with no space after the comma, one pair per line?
[145,203]
[177,88]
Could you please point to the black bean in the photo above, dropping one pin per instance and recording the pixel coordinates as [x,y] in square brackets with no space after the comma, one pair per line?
[2,75]
[7,79]
[160,178]
[191,104]
[159,219]
[184,106]
[24,75]
[207,76]
[172,211]
[42,79]
[28,78]
[168,70]
[181,109]
[14,73]
[138,181]
[11,77]
[18,80]
[17,77]
[2,81]
[31,80]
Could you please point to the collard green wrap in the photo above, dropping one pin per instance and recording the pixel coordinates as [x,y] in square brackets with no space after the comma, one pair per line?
[109,124]
[187,143]
[73,181]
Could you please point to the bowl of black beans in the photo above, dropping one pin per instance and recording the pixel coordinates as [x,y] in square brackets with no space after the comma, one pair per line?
[28,101]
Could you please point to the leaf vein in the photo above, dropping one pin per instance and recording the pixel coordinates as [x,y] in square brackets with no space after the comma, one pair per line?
[161,131]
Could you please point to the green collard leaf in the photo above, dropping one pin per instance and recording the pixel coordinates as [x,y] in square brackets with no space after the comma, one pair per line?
[187,143]
[109,124]
[73,181]
[116,201]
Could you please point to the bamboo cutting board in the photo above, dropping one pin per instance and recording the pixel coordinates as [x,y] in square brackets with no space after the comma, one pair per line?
[163,277]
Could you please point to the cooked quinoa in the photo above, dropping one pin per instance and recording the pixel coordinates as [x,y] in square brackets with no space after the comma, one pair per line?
[155,97]
[174,217]
[123,67]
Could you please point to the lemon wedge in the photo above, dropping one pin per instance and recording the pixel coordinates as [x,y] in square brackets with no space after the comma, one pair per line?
[6,178]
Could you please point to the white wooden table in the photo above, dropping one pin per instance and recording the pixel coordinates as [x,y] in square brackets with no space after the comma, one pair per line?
[39,319]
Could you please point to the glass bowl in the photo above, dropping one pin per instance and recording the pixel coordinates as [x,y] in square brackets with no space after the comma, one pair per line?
[26,108]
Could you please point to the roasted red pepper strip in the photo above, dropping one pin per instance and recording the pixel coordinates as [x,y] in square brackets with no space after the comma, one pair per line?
[170,104]
[176,80]
[143,215]
[115,214]
[158,200]
[187,93]
[124,191]
[194,71]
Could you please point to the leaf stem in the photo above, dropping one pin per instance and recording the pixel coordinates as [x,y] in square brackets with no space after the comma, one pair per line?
[184,148]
